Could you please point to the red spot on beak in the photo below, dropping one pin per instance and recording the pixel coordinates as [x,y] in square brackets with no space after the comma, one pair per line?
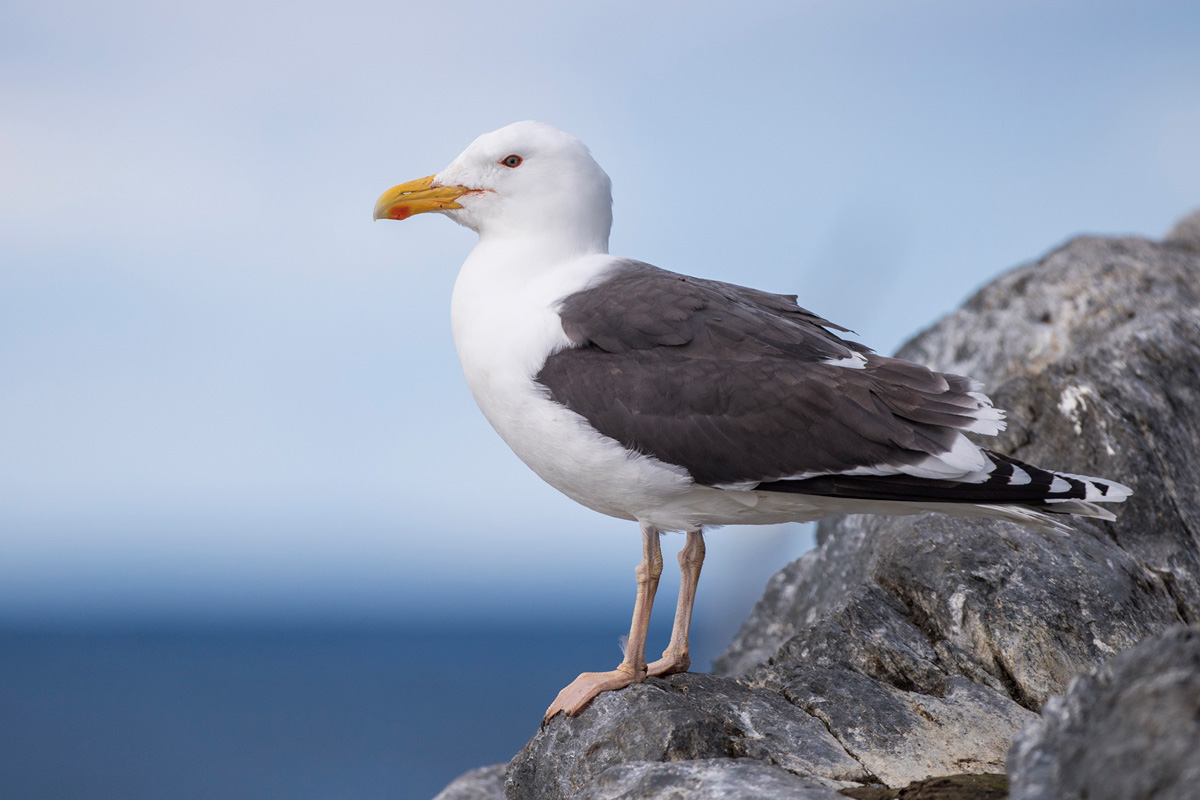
[399,212]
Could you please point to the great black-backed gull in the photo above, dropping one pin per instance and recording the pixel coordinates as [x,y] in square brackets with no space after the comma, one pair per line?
[678,402]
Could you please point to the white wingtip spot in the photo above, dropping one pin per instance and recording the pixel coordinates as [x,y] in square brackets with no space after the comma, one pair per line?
[988,419]
[1113,493]
[963,462]
[1117,492]
[855,360]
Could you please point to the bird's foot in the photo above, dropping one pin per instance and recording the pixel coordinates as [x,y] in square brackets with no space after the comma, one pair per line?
[575,697]
[669,664]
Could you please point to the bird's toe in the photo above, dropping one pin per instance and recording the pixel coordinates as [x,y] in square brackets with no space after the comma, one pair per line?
[581,691]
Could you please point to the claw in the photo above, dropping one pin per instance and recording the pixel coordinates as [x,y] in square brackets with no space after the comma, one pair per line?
[669,664]
[581,691]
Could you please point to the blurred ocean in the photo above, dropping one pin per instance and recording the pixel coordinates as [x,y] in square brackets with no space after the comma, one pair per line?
[222,713]
[163,698]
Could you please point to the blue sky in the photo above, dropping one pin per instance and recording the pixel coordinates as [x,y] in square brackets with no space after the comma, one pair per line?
[226,391]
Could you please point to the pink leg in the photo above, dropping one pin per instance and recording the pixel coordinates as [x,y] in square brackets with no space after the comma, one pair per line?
[675,657]
[632,669]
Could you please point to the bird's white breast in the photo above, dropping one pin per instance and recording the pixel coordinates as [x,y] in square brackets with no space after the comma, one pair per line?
[505,325]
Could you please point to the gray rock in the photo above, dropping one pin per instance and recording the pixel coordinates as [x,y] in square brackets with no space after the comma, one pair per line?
[483,783]
[905,647]
[1113,332]
[710,779]
[1129,730]
[1047,313]
[681,718]
[872,628]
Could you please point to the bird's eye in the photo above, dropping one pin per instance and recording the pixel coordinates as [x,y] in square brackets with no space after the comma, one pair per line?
[512,161]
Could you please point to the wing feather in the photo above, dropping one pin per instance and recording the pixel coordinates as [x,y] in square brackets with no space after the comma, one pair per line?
[732,384]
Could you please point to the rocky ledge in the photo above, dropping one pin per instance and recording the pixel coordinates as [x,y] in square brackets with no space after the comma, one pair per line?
[1126,730]
[907,647]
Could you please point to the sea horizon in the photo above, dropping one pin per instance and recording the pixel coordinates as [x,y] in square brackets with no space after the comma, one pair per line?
[251,709]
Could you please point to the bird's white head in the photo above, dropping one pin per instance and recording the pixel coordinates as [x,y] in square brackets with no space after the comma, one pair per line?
[524,180]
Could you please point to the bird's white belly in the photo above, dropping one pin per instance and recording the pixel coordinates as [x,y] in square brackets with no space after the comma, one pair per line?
[600,473]
[500,362]
[589,468]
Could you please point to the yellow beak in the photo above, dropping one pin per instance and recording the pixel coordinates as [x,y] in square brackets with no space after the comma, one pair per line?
[417,197]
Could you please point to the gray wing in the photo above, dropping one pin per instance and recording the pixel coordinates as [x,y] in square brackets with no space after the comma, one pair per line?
[740,386]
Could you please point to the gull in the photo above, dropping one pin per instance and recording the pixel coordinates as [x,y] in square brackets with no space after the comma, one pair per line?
[679,402]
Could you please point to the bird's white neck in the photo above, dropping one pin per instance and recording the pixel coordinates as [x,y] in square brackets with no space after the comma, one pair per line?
[515,261]
[512,283]
[505,321]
